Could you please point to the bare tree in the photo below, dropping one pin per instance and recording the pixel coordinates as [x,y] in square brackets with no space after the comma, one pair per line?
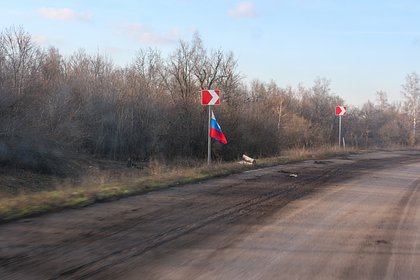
[411,92]
[382,100]
[206,68]
[20,61]
[22,58]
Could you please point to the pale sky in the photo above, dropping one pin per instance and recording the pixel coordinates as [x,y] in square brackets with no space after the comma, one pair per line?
[361,46]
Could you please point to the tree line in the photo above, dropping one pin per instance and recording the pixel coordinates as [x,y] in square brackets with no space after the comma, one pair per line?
[54,107]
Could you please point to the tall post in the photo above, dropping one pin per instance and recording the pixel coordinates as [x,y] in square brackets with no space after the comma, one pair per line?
[339,131]
[210,98]
[209,139]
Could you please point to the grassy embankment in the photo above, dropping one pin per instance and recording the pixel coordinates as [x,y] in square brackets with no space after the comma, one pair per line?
[48,194]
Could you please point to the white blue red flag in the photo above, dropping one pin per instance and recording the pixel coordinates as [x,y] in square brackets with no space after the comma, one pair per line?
[216,130]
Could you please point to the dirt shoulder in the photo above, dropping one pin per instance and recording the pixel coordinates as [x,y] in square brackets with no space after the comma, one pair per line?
[100,240]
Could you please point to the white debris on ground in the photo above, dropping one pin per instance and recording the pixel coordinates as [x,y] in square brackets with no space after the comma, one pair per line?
[247,160]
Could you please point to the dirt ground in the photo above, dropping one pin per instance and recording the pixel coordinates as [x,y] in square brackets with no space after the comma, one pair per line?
[353,217]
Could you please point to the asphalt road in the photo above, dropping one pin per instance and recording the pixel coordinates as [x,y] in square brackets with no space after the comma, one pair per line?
[355,217]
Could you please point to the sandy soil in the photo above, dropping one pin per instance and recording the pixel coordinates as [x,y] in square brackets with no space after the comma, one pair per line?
[354,217]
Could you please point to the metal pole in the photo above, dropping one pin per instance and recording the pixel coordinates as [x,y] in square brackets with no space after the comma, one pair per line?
[339,131]
[209,140]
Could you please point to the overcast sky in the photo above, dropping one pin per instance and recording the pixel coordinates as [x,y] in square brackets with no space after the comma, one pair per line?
[361,46]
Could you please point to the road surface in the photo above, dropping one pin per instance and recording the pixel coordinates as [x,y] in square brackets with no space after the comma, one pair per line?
[354,217]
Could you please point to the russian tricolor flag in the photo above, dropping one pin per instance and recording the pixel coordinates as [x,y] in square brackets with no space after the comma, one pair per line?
[216,130]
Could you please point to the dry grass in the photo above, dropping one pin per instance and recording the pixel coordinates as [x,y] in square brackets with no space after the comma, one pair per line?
[299,154]
[99,186]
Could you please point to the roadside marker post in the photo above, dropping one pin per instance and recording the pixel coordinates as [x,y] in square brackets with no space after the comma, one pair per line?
[210,98]
[209,138]
[340,111]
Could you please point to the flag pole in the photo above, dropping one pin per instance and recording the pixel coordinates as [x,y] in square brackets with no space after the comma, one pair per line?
[339,131]
[209,139]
